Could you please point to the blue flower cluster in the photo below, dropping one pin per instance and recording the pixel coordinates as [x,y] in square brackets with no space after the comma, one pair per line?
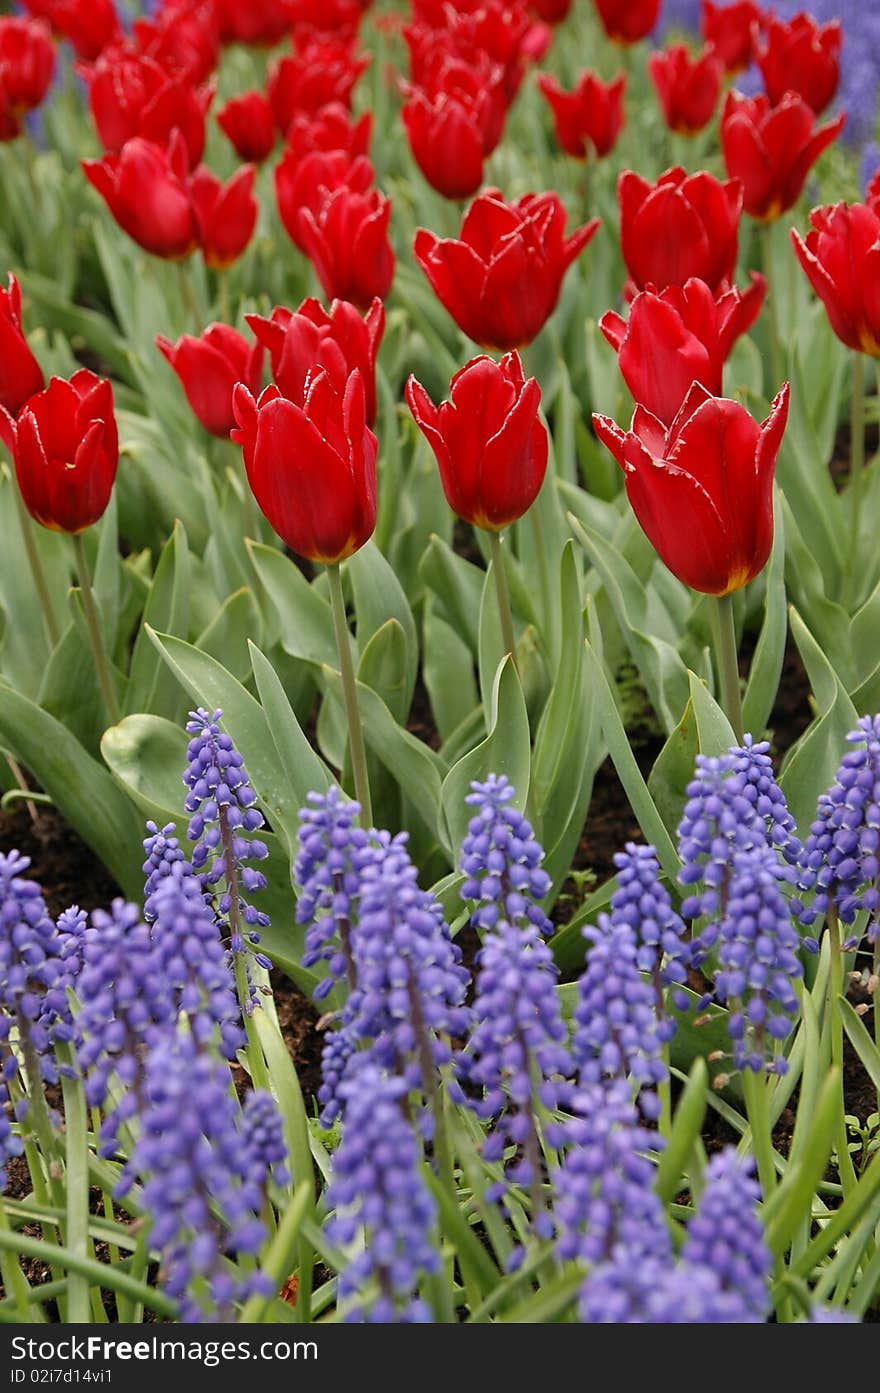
[333,851]
[501,860]
[663,950]
[163,853]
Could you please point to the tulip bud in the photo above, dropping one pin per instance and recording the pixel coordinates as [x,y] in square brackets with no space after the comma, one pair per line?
[347,242]
[66,451]
[312,468]
[841,259]
[258,22]
[589,119]
[682,226]
[732,30]
[90,25]
[225,215]
[801,56]
[331,128]
[20,373]
[771,150]
[627,21]
[490,444]
[247,123]
[322,70]
[27,63]
[131,95]
[209,368]
[145,189]
[183,36]
[687,88]
[703,490]
[305,181]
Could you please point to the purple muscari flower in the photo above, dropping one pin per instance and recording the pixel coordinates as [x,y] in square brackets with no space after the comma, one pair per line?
[193,965]
[203,1184]
[832,1315]
[840,861]
[410,982]
[726,1234]
[382,1201]
[501,860]
[753,770]
[652,1291]
[163,852]
[221,802]
[757,945]
[340,1046]
[71,927]
[606,1208]
[616,1033]
[517,1054]
[642,901]
[264,1132]
[333,851]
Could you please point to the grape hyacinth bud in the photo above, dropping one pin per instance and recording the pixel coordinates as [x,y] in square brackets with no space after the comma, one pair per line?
[380,1195]
[840,860]
[726,1234]
[163,851]
[333,849]
[616,1032]
[203,1181]
[654,1292]
[264,1132]
[221,802]
[643,902]
[72,928]
[501,860]
[757,945]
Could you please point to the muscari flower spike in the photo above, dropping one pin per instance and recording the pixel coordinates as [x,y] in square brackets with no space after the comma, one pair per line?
[501,860]
[333,851]
[163,852]
[642,901]
[727,1236]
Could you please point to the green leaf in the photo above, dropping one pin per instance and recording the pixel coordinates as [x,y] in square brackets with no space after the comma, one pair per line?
[305,618]
[861,1041]
[448,673]
[383,667]
[458,584]
[506,750]
[303,770]
[227,636]
[766,665]
[151,685]
[816,756]
[793,1198]
[686,1127]
[378,597]
[81,789]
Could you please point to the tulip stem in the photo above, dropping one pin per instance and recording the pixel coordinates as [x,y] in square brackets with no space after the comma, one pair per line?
[41,585]
[728,664]
[93,624]
[856,471]
[349,694]
[777,369]
[503,593]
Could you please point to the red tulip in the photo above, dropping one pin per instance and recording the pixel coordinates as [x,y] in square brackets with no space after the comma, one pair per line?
[687,88]
[27,63]
[341,18]
[183,36]
[682,226]
[322,70]
[454,123]
[145,188]
[771,150]
[347,243]
[731,30]
[331,128]
[90,25]
[247,122]
[225,214]
[131,95]
[703,490]
[679,337]
[841,258]
[310,338]
[66,451]
[303,182]
[500,31]
[800,56]
[258,22]
[551,11]
[20,373]
[489,441]
[209,368]
[627,21]
[312,468]
[501,279]
[589,119]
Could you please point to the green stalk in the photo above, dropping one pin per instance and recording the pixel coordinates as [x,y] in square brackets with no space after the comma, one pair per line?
[38,575]
[100,1273]
[856,474]
[349,694]
[755,1095]
[777,367]
[728,666]
[192,308]
[93,624]
[76,1184]
[503,594]
[14,1280]
[834,1025]
[545,579]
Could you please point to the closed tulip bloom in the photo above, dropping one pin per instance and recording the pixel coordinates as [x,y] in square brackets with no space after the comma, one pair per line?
[801,56]
[841,259]
[66,451]
[589,119]
[130,95]
[247,123]
[446,139]
[27,63]
[258,22]
[90,25]
[322,70]
[551,11]
[338,341]
[500,279]
[627,21]
[687,88]
[347,242]
[183,36]
[703,490]
[331,128]
[20,373]
[490,443]
[145,188]
[682,226]
[312,468]
[771,150]
[731,29]
[681,336]
[306,181]
[209,368]
[225,215]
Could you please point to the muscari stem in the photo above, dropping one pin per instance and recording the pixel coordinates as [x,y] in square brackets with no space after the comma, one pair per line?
[41,585]
[349,695]
[503,594]
[93,624]
[834,1025]
[728,665]
[856,472]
